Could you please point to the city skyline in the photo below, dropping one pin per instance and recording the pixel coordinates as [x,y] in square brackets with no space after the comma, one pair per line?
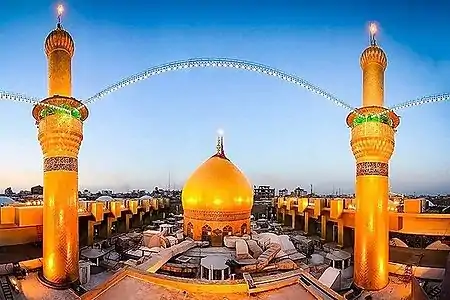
[276,133]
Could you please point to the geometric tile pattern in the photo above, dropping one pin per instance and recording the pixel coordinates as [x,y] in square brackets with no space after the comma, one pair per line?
[60,163]
[216,215]
[372,168]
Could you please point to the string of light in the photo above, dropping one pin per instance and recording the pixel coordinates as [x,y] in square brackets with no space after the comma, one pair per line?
[221,63]
[421,101]
[218,63]
[16,97]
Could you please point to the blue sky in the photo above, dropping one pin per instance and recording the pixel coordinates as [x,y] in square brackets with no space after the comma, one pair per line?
[275,132]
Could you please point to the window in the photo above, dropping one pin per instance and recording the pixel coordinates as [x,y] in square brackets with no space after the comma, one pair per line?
[217,275]
[205,273]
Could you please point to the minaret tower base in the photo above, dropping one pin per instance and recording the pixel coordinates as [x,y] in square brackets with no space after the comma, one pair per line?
[60,131]
[373,130]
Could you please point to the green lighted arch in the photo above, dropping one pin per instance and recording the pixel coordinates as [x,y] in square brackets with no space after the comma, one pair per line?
[66,109]
[361,119]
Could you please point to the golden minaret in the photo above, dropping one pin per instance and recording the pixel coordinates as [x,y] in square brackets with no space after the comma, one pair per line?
[372,141]
[60,132]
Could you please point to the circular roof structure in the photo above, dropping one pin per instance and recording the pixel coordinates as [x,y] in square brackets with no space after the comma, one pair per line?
[59,39]
[4,200]
[218,186]
[105,198]
[215,262]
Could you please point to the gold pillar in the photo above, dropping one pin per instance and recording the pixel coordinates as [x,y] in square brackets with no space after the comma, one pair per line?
[105,228]
[59,48]
[340,233]
[124,223]
[372,143]
[137,221]
[90,232]
[60,132]
[306,214]
[323,227]
[373,92]
[293,218]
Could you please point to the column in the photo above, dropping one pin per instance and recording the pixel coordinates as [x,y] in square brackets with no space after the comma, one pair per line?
[293,218]
[60,137]
[124,223]
[105,228]
[372,143]
[90,232]
[323,227]
[340,233]
[137,221]
[306,214]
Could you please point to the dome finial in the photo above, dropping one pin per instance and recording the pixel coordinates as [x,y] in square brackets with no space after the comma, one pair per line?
[372,32]
[60,10]
[219,146]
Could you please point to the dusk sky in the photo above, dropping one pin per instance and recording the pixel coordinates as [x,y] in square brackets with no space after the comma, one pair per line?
[276,132]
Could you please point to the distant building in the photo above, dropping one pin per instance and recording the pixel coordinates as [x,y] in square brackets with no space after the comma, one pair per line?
[9,192]
[263,192]
[299,192]
[37,190]
[106,192]
[283,192]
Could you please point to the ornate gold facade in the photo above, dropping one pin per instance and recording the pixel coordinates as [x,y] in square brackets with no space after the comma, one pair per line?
[217,200]
[372,143]
[59,48]
[60,132]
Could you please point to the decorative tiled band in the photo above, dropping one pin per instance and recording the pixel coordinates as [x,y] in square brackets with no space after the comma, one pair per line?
[372,168]
[60,163]
[216,215]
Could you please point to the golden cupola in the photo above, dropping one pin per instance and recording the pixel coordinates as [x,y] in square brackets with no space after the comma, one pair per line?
[373,53]
[59,48]
[373,63]
[217,199]
[59,39]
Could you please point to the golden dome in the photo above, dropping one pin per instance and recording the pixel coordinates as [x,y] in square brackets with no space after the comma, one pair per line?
[373,54]
[59,39]
[218,186]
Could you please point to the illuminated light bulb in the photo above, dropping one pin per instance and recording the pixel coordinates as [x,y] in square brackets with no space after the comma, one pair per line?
[60,9]
[373,28]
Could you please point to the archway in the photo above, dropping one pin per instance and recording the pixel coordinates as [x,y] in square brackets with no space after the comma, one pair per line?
[206,233]
[216,238]
[244,229]
[396,242]
[190,230]
[227,230]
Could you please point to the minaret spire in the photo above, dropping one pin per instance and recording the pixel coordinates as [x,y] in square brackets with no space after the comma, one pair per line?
[219,147]
[60,10]
[372,32]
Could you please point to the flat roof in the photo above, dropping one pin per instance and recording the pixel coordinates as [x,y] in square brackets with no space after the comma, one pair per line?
[18,253]
[419,257]
[215,262]
[338,255]
[136,287]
